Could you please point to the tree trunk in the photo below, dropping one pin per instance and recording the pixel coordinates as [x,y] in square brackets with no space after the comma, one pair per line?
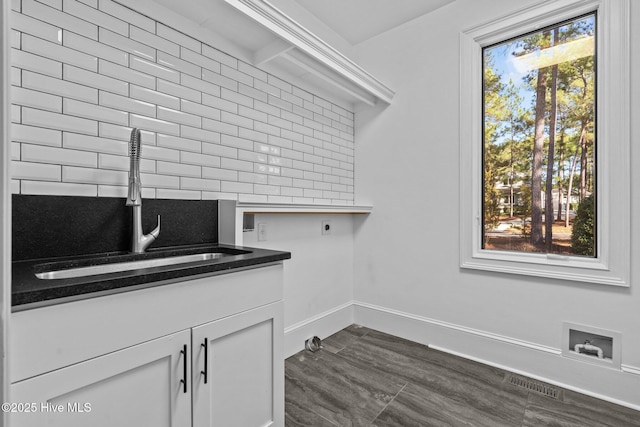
[548,201]
[583,162]
[536,167]
[574,162]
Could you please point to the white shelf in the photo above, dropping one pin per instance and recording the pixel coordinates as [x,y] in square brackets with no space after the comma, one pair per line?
[270,208]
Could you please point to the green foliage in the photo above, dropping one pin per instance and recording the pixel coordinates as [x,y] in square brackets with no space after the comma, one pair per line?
[583,233]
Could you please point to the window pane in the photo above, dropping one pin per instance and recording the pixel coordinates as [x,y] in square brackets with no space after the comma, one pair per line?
[539,157]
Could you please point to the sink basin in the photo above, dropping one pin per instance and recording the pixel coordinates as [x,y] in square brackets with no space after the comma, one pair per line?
[116,267]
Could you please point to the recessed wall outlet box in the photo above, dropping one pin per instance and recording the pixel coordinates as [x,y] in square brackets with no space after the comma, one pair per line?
[248,222]
[262,232]
[593,345]
[326,227]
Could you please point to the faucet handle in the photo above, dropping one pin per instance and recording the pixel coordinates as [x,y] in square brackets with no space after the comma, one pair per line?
[156,231]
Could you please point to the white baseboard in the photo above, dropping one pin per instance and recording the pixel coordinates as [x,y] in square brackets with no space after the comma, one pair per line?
[533,360]
[321,325]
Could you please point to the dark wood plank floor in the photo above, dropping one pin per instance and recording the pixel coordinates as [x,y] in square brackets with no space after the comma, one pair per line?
[363,377]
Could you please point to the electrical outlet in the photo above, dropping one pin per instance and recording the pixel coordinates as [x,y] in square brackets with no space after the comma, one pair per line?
[262,232]
[326,227]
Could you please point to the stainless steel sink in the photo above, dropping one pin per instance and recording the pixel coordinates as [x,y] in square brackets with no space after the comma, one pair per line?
[93,270]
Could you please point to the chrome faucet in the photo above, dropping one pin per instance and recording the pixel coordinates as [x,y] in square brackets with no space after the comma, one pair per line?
[139,240]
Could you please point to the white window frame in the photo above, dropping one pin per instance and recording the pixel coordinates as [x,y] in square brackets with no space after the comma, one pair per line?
[612,264]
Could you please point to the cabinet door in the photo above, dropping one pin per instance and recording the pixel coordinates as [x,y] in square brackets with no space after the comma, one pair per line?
[244,370]
[138,386]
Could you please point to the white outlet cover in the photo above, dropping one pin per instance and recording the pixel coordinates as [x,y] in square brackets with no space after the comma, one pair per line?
[262,232]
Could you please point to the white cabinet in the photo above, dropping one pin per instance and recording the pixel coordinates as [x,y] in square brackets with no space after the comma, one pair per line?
[137,386]
[239,379]
[124,356]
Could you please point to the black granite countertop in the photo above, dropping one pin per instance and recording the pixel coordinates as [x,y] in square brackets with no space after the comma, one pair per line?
[29,291]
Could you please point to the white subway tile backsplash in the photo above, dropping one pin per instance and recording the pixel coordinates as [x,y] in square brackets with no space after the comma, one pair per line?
[237,120]
[95,144]
[168,168]
[267,88]
[152,40]
[199,159]
[253,198]
[95,112]
[124,103]
[97,17]
[236,187]
[219,80]
[36,135]
[57,121]
[199,134]
[111,131]
[199,85]
[179,65]
[36,63]
[219,174]
[236,142]
[91,83]
[60,156]
[253,135]
[219,103]
[36,171]
[252,93]
[187,183]
[16,76]
[26,24]
[200,110]
[59,87]
[92,3]
[36,99]
[126,74]
[127,15]
[58,188]
[219,56]
[152,180]
[92,47]
[236,97]
[126,44]
[59,53]
[178,37]
[175,116]
[236,75]
[252,71]
[154,125]
[198,59]
[153,69]
[219,150]
[266,128]
[163,193]
[93,176]
[239,165]
[251,177]
[301,93]
[220,127]
[153,97]
[59,18]
[15,151]
[212,126]
[183,144]
[179,91]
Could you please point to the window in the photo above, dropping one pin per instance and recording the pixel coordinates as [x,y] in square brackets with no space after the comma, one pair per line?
[538,158]
[544,173]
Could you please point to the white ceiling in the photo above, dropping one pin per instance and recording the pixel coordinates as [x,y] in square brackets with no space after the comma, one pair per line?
[359,20]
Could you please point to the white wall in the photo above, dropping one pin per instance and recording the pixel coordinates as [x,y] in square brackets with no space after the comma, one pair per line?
[407,275]
[318,279]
